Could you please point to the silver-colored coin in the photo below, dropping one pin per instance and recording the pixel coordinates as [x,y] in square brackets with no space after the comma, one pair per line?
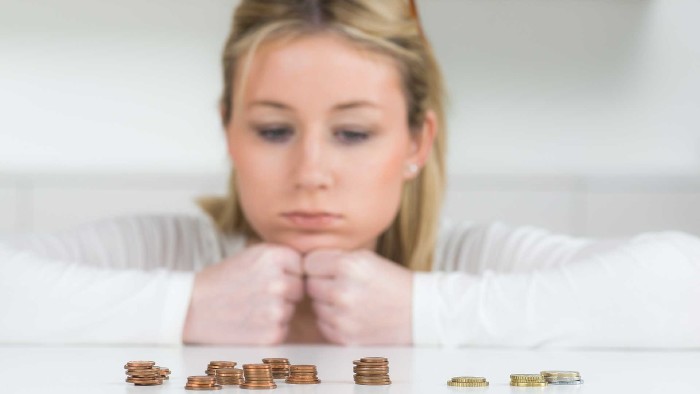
[564,382]
[561,379]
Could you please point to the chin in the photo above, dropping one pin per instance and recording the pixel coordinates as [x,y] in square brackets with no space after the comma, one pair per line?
[305,243]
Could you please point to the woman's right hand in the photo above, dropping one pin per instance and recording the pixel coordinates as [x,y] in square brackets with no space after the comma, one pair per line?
[248,298]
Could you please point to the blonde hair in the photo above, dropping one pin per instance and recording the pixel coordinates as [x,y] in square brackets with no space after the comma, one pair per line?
[388,27]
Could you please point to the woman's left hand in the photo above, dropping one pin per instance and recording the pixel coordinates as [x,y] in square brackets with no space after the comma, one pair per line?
[359,297]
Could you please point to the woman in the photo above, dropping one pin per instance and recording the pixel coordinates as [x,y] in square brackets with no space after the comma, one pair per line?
[333,113]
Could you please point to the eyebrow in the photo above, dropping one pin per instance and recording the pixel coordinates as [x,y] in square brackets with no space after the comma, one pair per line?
[337,107]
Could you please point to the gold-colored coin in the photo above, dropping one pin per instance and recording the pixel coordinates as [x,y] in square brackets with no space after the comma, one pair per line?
[469,379]
[526,378]
[467,384]
[528,384]
[561,376]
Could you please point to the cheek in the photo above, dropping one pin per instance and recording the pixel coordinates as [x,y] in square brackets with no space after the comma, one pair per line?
[377,183]
[257,178]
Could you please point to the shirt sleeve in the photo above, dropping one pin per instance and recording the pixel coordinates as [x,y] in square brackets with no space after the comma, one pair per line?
[122,280]
[546,290]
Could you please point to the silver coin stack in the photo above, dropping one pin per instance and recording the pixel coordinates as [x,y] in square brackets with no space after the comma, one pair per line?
[562,377]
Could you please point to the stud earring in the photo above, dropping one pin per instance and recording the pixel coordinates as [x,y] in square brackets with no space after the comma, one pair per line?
[412,168]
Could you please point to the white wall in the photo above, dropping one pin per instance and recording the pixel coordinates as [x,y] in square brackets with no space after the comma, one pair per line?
[548,99]
[537,86]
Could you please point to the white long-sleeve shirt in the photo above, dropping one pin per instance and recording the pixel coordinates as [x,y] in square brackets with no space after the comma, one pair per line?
[129,279]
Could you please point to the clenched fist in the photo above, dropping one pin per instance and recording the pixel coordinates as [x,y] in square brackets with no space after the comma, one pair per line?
[359,297]
[248,298]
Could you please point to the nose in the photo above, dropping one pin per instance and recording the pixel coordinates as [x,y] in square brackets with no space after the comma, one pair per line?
[312,169]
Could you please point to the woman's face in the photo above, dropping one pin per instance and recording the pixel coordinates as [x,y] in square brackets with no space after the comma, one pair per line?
[322,146]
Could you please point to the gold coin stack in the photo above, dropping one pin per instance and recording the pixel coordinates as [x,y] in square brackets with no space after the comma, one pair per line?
[143,373]
[468,381]
[202,383]
[562,377]
[279,367]
[371,371]
[229,376]
[527,380]
[258,376]
[303,374]
[164,373]
[214,365]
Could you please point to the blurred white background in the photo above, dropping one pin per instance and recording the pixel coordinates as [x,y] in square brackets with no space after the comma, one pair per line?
[577,115]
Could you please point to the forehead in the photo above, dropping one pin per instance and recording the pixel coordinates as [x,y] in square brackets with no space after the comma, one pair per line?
[322,67]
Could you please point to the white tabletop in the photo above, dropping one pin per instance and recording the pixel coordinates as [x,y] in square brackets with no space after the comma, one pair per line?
[59,370]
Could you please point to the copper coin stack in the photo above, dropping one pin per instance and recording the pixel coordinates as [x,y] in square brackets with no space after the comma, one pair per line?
[214,365]
[143,373]
[258,376]
[229,376]
[164,373]
[371,371]
[202,383]
[303,374]
[279,367]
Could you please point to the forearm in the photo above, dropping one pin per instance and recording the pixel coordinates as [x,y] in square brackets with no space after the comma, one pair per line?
[642,294]
[48,301]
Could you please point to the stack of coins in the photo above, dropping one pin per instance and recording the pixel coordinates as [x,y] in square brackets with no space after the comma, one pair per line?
[202,383]
[258,376]
[468,381]
[143,373]
[279,367]
[214,365]
[527,380]
[303,374]
[562,377]
[229,376]
[371,371]
[164,373]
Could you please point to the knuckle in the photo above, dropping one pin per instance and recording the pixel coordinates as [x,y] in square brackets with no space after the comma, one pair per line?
[344,298]
[276,287]
[276,313]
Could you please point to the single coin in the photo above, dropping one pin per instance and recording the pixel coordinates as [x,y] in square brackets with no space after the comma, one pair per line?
[521,377]
[315,381]
[374,360]
[203,388]
[302,367]
[560,374]
[201,379]
[467,384]
[550,380]
[229,372]
[142,380]
[365,379]
[566,383]
[140,364]
[258,386]
[222,363]
[528,384]
[469,379]
[143,373]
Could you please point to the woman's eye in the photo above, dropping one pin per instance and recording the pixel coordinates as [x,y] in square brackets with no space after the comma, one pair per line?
[349,136]
[275,134]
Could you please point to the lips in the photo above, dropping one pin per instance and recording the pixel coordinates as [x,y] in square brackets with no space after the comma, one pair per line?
[312,219]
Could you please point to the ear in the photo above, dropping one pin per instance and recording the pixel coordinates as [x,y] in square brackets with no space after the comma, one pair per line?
[422,144]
